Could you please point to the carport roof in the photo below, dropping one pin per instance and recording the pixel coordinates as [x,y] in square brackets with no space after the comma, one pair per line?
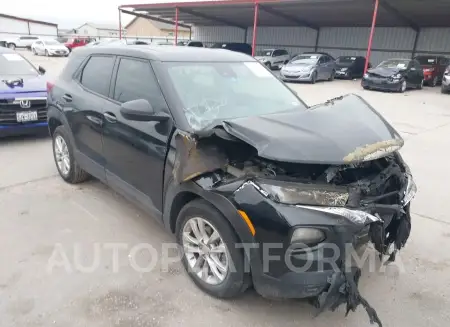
[310,13]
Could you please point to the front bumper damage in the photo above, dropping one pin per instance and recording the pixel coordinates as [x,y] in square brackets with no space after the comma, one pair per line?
[375,204]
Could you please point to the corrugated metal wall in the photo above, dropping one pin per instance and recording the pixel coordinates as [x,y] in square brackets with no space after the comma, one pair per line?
[387,43]
[294,39]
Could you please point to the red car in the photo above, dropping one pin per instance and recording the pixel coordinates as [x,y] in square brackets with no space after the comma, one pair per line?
[76,42]
[433,68]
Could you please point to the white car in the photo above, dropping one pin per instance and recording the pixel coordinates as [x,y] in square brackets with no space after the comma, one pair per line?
[21,42]
[273,58]
[49,48]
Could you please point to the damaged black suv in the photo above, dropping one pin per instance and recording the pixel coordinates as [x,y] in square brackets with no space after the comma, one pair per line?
[253,182]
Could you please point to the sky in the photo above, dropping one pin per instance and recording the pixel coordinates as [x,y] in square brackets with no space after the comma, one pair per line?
[71,13]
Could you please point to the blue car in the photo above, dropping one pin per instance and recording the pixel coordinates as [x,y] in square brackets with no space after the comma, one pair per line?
[23,95]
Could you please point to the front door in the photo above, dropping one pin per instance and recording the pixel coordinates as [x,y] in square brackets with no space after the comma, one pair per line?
[84,101]
[135,151]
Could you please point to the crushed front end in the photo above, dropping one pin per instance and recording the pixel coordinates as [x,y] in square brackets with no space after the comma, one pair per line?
[308,216]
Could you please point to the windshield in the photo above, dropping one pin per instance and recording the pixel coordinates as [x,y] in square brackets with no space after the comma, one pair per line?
[15,64]
[305,59]
[213,92]
[395,63]
[426,60]
[52,42]
[345,60]
[264,53]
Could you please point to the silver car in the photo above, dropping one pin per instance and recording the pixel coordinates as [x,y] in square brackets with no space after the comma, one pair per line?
[309,67]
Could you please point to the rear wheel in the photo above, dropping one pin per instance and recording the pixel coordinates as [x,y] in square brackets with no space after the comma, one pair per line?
[420,85]
[210,255]
[65,162]
[434,81]
[12,46]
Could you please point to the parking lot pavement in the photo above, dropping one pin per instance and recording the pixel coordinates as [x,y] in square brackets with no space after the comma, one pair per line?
[52,232]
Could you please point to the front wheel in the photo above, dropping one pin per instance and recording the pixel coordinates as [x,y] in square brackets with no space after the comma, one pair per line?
[333,74]
[314,78]
[210,255]
[402,88]
[420,87]
[12,46]
[65,162]
[269,65]
[34,51]
[46,53]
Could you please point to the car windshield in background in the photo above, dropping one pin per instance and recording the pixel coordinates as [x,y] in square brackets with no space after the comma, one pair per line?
[345,60]
[426,60]
[305,59]
[52,42]
[395,63]
[213,92]
[264,53]
[14,64]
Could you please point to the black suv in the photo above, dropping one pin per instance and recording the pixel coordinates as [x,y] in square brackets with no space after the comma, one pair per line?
[254,184]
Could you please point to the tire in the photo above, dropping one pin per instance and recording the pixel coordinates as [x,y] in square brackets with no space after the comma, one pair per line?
[434,82]
[236,280]
[402,88]
[74,174]
[420,87]
[350,76]
[46,53]
[314,78]
[34,51]
[12,46]
[366,88]
[333,74]
[269,65]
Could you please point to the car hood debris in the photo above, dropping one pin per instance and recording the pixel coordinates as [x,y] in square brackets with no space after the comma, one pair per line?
[24,84]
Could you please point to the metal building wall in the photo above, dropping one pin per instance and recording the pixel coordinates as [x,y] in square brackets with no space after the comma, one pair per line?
[435,40]
[9,26]
[294,39]
[387,42]
[43,30]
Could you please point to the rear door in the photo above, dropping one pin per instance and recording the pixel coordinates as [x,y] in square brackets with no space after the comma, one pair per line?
[135,151]
[84,102]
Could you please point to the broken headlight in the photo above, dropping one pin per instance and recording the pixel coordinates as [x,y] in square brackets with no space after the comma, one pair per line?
[290,193]
[410,191]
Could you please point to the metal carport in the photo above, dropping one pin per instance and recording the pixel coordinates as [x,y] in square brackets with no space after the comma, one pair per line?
[311,14]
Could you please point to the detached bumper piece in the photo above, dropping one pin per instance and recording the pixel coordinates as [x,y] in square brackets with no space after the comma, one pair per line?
[343,289]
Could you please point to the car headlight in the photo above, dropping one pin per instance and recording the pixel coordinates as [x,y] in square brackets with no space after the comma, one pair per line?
[307,236]
[397,76]
[344,69]
[306,194]
[410,191]
[366,76]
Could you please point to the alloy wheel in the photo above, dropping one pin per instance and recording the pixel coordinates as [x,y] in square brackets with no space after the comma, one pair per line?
[403,88]
[205,251]
[62,155]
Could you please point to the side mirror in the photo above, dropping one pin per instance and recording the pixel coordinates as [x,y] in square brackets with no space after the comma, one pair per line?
[41,70]
[140,110]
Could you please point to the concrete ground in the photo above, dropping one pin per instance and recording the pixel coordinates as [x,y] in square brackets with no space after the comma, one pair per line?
[44,221]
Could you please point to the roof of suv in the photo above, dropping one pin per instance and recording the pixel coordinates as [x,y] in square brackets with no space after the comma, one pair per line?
[169,53]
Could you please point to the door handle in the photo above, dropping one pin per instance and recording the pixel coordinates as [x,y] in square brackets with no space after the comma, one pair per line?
[110,117]
[67,97]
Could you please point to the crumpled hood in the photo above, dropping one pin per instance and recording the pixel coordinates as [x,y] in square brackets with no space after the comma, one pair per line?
[385,72]
[338,132]
[30,84]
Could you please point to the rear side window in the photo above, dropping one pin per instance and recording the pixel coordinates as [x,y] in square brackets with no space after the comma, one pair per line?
[136,80]
[96,74]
